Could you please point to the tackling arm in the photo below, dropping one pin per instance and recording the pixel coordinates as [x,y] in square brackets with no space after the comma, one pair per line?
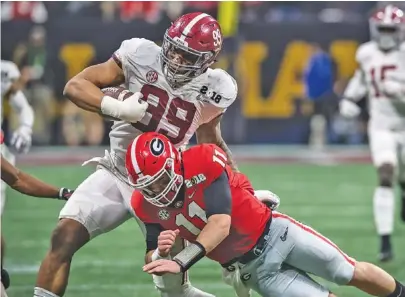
[211,133]
[29,185]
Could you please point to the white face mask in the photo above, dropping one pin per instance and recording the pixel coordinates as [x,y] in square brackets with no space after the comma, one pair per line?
[388,41]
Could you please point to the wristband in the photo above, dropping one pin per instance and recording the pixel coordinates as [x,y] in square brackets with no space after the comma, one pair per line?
[156,256]
[110,107]
[190,255]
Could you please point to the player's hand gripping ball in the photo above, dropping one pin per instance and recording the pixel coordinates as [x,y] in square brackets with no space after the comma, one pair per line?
[166,240]
[131,107]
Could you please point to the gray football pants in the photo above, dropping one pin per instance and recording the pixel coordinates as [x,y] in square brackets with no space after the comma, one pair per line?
[293,250]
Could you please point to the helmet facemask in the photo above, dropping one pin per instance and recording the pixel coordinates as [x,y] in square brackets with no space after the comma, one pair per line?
[180,63]
[162,188]
[387,36]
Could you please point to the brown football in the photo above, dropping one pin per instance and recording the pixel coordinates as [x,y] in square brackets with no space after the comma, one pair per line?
[118,93]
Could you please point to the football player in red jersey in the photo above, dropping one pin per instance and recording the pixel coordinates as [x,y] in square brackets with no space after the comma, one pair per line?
[195,195]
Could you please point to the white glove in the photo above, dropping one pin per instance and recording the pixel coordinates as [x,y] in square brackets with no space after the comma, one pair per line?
[21,139]
[131,109]
[233,279]
[348,108]
[393,89]
[269,198]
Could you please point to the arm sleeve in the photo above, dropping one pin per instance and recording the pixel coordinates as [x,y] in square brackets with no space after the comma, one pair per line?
[218,197]
[152,233]
[356,89]
[20,105]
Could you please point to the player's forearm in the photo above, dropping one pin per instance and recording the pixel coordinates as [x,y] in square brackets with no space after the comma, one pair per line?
[29,185]
[356,88]
[225,148]
[20,105]
[84,94]
[216,230]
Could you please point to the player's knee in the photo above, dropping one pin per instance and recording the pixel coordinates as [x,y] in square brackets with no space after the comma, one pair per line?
[67,238]
[386,175]
[341,270]
[331,295]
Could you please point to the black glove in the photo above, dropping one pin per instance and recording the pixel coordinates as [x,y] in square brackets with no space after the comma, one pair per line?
[65,193]
[5,278]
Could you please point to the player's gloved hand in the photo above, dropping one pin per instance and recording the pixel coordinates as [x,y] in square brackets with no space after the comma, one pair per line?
[65,193]
[268,198]
[348,108]
[21,139]
[131,109]
[166,240]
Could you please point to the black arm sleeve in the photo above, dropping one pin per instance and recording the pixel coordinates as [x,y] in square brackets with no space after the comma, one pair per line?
[152,233]
[217,197]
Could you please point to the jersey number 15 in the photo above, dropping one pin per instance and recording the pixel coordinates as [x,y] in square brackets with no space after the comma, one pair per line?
[378,74]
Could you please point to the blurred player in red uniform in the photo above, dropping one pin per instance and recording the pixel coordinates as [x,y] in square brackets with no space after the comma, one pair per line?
[195,195]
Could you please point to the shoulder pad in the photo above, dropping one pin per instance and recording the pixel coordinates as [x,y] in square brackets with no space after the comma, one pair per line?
[224,85]
[11,69]
[366,51]
[137,50]
[211,160]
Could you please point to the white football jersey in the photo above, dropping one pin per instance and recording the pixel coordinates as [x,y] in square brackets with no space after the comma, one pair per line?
[176,113]
[375,67]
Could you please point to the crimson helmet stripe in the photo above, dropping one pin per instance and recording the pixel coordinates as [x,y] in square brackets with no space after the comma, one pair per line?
[133,157]
[192,23]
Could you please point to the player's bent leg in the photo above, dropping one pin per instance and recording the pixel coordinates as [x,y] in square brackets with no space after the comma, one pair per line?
[67,238]
[383,146]
[383,208]
[95,207]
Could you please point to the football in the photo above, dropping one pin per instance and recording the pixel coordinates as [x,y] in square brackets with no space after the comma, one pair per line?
[118,93]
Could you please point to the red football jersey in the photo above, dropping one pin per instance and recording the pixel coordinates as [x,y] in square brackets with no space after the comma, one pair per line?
[203,164]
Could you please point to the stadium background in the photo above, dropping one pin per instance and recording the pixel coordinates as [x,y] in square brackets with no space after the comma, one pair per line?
[326,183]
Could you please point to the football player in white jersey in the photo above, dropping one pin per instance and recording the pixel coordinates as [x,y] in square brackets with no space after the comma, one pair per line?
[174,92]
[21,138]
[381,78]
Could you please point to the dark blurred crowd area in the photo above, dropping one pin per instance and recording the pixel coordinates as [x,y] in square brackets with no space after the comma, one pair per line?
[60,122]
[152,11]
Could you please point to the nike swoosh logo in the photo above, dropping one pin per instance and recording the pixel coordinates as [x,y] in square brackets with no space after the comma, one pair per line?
[191,195]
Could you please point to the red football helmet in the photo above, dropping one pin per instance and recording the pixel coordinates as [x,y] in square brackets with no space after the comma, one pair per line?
[387,27]
[154,167]
[189,47]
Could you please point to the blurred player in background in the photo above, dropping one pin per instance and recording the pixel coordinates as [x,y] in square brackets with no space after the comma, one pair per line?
[381,78]
[195,195]
[172,91]
[28,185]
[11,90]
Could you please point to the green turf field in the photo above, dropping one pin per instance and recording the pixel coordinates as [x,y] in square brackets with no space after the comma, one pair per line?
[336,200]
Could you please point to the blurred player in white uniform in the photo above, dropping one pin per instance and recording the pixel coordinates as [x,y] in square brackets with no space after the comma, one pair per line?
[21,138]
[381,78]
[175,93]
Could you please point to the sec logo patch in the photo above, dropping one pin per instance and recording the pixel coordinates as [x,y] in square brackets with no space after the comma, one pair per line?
[151,76]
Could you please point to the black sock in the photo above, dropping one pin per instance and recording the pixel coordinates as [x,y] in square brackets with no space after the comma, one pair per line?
[385,242]
[399,290]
